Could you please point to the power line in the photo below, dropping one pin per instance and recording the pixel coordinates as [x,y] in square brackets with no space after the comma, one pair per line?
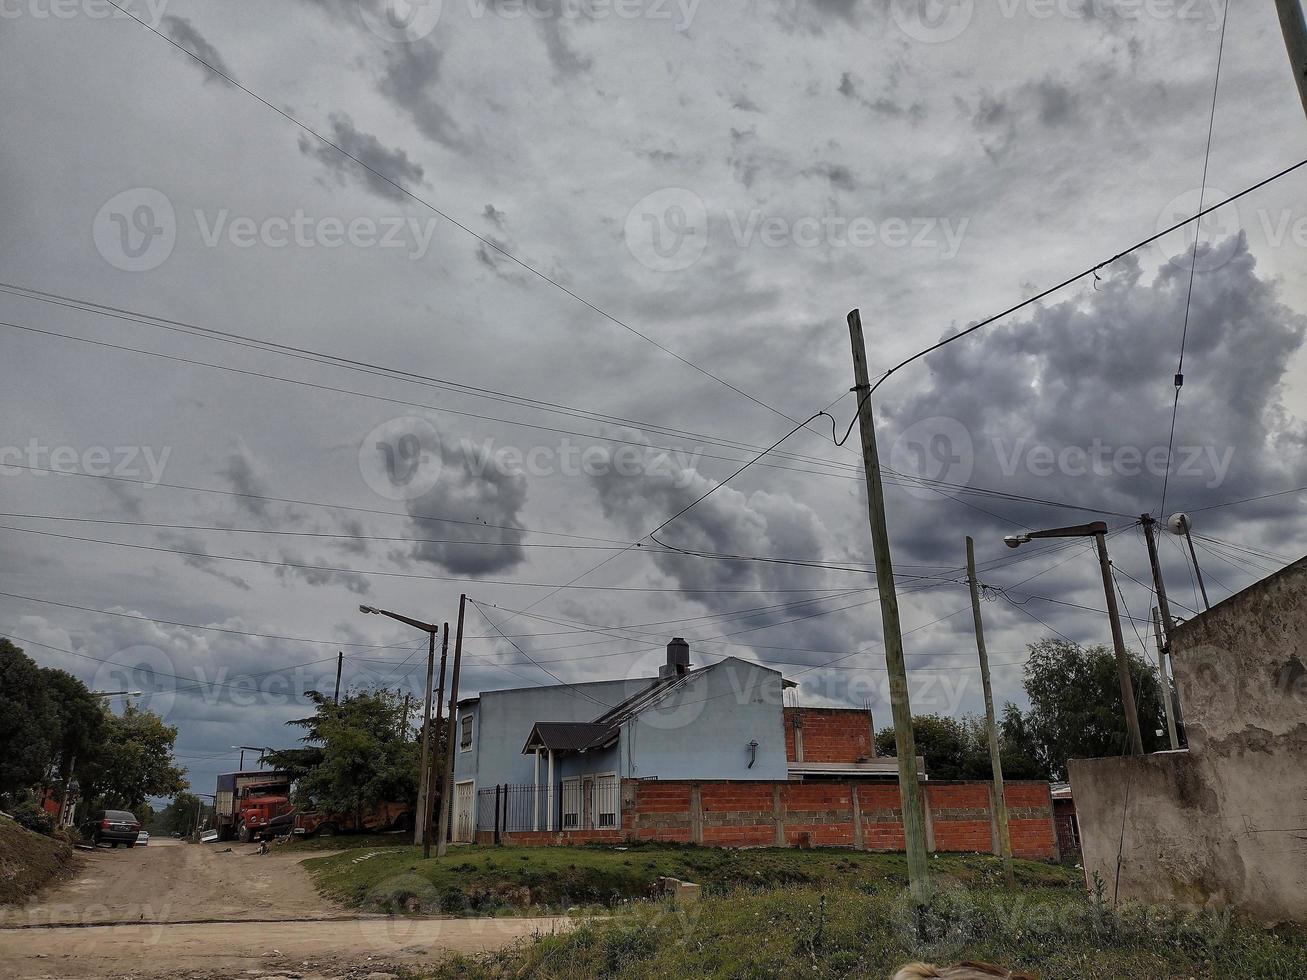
[1193,265]
[1088,272]
[486,242]
[385,573]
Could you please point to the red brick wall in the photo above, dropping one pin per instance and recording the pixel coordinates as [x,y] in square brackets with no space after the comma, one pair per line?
[749,814]
[829,734]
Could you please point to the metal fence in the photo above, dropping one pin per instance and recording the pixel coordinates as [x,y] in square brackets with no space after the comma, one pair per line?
[580,803]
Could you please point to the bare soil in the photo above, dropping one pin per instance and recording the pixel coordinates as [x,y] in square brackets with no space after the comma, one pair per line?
[173,910]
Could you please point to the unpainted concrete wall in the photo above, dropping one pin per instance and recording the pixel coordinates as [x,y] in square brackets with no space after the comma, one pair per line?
[1225,822]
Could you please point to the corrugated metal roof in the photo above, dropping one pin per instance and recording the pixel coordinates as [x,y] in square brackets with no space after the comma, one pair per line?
[569,736]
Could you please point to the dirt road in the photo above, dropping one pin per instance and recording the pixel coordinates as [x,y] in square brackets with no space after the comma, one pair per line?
[194,910]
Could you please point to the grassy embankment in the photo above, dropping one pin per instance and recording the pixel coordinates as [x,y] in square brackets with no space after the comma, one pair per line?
[787,913]
[28,861]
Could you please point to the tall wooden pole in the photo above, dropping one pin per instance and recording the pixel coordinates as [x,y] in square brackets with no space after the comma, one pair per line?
[1118,644]
[340,662]
[1166,681]
[451,736]
[421,830]
[1294,28]
[991,726]
[1159,586]
[914,831]
[436,789]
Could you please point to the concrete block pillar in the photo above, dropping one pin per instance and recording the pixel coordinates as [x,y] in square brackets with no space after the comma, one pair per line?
[777,816]
[696,814]
[858,841]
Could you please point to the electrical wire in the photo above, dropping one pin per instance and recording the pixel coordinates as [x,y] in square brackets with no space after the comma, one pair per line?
[1193,265]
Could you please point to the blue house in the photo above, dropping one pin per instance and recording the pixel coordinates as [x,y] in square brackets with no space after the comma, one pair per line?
[559,753]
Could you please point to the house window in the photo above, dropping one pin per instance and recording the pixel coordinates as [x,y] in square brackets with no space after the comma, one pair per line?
[606,801]
[571,804]
[465,734]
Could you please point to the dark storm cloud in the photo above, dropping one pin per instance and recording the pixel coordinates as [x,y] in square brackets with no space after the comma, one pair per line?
[197,556]
[1074,402]
[475,485]
[394,163]
[241,473]
[185,33]
[412,81]
[294,570]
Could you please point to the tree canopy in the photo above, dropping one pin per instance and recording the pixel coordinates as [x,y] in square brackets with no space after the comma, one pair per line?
[1075,706]
[53,729]
[356,753]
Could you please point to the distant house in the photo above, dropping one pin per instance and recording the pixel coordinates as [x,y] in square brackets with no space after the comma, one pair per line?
[555,757]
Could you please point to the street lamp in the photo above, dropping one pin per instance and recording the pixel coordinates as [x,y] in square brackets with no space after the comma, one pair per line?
[426,797]
[251,748]
[1098,531]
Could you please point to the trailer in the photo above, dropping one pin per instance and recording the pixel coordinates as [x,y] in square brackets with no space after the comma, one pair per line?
[374,819]
[250,805]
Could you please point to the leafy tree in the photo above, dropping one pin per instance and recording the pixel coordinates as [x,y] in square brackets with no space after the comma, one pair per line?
[952,748]
[1075,706]
[131,762]
[1021,758]
[29,724]
[80,719]
[178,817]
[356,754]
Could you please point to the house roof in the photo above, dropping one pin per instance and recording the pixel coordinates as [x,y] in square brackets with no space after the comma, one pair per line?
[569,736]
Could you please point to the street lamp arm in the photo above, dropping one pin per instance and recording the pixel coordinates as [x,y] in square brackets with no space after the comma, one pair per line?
[1074,531]
[416,624]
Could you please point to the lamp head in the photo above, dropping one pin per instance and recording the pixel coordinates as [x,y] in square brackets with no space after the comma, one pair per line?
[1016,540]
[371,610]
[1178,523]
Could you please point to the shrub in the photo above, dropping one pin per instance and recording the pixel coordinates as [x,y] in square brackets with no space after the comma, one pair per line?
[34,818]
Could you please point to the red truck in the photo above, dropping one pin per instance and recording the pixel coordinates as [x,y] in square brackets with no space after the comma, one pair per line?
[251,805]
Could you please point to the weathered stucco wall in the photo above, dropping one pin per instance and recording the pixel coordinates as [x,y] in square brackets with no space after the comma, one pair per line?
[1224,823]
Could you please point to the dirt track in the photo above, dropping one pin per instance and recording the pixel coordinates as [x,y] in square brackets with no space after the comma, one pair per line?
[189,910]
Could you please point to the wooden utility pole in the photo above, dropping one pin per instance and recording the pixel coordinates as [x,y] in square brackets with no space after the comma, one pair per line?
[1118,644]
[340,662]
[914,831]
[1159,586]
[991,727]
[451,736]
[435,790]
[1187,529]
[421,830]
[1166,681]
[1294,28]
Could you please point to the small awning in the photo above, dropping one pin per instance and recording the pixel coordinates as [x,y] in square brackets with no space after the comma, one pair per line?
[570,736]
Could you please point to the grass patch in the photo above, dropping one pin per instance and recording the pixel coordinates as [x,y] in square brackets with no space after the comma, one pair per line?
[348,842]
[487,880]
[1056,933]
[28,862]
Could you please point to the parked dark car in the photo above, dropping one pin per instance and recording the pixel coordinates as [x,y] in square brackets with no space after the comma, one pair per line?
[112,827]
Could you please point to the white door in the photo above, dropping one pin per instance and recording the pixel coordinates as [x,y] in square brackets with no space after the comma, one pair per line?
[464,822]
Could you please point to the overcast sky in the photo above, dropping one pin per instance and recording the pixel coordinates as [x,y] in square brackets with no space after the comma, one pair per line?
[655,215]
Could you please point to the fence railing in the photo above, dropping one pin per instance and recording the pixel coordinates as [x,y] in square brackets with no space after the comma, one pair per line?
[582,803]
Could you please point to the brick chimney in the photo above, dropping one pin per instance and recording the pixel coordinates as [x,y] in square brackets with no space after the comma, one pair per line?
[678,660]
